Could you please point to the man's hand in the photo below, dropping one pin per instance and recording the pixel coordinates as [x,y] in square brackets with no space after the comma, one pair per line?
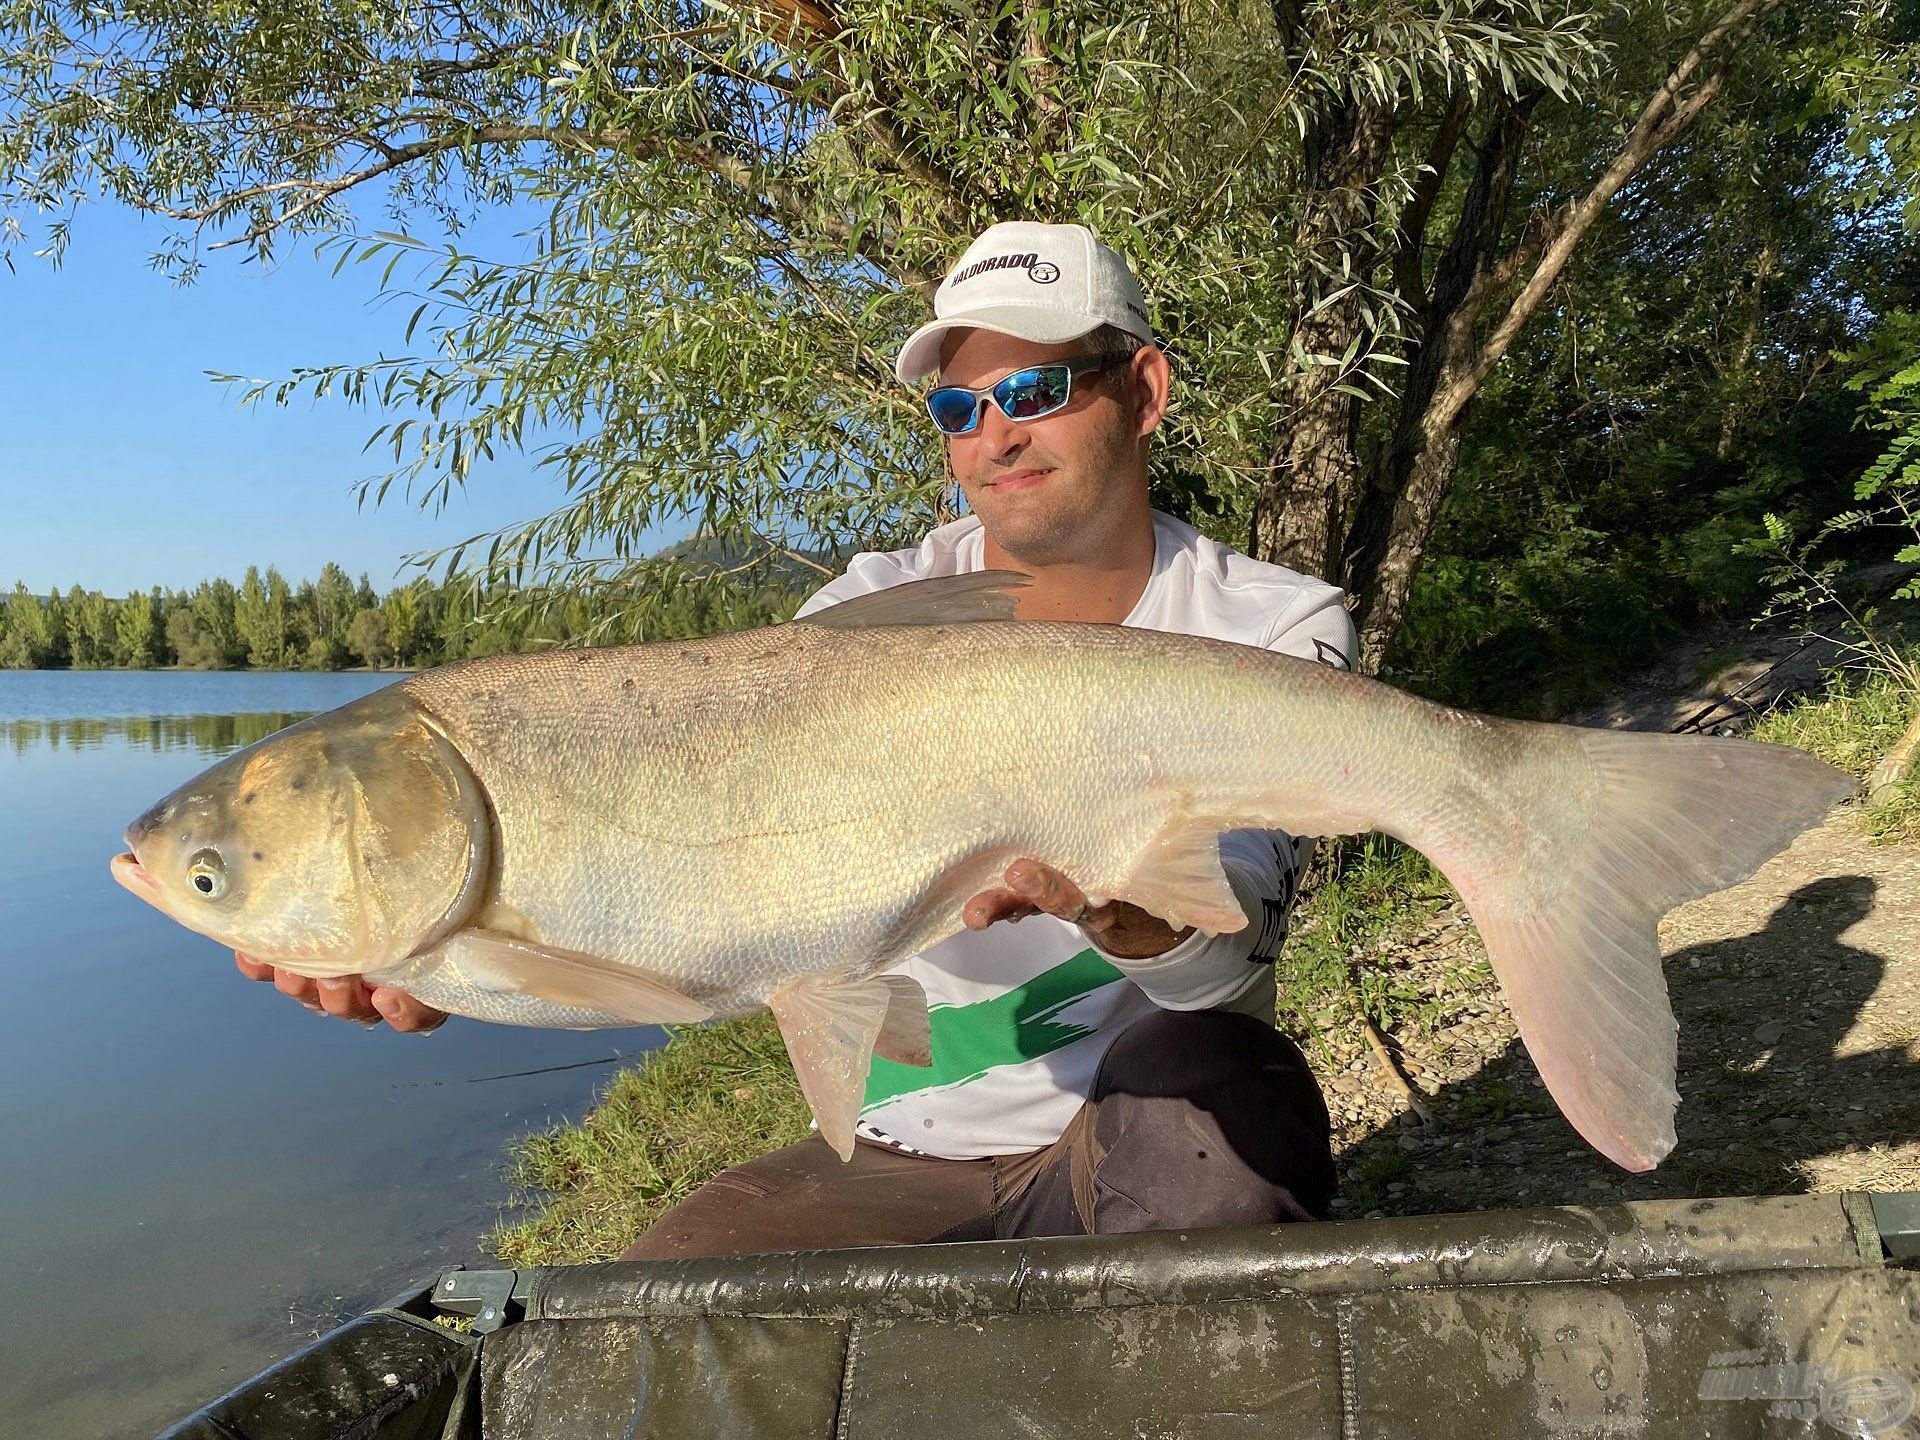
[349,997]
[1035,889]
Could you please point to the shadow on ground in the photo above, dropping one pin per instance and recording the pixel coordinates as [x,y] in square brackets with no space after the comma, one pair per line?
[1777,1075]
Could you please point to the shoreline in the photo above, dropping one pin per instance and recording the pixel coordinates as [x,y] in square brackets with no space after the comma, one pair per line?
[200,670]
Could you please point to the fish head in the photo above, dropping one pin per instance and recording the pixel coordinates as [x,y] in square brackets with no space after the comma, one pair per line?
[338,846]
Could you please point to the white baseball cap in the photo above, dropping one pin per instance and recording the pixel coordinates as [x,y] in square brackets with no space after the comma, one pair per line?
[1046,283]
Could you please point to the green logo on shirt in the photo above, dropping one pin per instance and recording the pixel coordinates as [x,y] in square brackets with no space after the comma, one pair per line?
[970,1040]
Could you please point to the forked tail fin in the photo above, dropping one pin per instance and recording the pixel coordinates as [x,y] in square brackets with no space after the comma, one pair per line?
[1617,832]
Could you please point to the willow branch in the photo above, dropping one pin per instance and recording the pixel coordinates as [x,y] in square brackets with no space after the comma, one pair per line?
[766,193]
[805,17]
[1663,120]
[789,18]
[1391,1072]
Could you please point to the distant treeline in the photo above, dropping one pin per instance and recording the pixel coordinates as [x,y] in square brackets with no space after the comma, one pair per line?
[208,735]
[334,623]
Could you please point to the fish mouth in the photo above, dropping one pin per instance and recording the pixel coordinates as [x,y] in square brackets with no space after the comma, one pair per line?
[131,874]
[128,870]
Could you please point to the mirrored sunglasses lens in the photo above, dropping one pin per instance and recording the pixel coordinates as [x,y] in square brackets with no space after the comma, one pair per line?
[954,411]
[1029,394]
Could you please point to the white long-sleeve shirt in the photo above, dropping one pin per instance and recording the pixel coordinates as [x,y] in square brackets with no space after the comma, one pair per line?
[1021,1014]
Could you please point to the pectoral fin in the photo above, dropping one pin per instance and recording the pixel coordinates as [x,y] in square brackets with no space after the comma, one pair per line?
[830,1027]
[1178,877]
[567,977]
[905,1036]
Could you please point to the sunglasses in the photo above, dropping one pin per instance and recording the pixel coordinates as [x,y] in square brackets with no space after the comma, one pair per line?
[1024,395]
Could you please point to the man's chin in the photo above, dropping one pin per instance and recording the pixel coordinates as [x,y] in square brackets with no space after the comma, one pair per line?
[1032,542]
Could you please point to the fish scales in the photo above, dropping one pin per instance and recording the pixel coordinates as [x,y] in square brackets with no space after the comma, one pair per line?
[781,816]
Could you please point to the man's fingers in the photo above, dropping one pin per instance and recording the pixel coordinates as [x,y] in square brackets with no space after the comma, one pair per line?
[1045,888]
[297,987]
[349,997]
[346,996]
[992,905]
[1099,919]
[251,968]
[404,1013]
[1036,889]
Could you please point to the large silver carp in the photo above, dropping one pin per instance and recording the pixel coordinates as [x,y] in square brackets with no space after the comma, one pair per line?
[689,829]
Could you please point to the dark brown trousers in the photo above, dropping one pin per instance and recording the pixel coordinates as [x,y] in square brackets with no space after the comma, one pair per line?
[1196,1118]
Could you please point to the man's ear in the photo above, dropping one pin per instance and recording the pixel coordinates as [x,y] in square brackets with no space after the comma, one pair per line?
[1153,383]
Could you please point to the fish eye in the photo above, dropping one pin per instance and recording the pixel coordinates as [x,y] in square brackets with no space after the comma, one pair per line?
[207,873]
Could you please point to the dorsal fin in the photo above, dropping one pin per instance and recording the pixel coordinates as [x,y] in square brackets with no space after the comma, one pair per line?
[944,600]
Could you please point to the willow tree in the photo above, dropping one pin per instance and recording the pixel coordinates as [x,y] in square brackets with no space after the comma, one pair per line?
[1343,212]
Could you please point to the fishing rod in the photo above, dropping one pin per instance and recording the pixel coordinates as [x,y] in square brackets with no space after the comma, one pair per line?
[613,1059]
[1696,724]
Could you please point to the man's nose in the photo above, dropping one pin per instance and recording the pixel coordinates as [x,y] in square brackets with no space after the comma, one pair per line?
[998,435]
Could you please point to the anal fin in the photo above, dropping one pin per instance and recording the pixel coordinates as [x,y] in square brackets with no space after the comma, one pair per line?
[830,1027]
[495,961]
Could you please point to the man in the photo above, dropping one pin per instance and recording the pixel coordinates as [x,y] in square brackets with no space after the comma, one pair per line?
[1093,1069]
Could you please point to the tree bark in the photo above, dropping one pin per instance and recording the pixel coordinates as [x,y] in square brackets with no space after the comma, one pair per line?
[1409,254]
[1313,476]
[1738,386]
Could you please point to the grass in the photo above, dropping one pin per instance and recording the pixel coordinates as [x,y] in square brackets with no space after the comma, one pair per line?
[1852,724]
[1364,1185]
[1495,1099]
[1363,894]
[713,1097]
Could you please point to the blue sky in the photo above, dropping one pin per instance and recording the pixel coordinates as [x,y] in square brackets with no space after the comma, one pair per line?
[122,465]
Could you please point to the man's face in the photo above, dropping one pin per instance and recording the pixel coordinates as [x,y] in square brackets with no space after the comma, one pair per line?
[1045,489]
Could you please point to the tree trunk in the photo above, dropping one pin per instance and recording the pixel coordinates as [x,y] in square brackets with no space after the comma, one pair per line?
[1739,384]
[1313,476]
[1411,475]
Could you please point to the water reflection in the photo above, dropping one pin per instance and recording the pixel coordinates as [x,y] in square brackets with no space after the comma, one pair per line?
[208,735]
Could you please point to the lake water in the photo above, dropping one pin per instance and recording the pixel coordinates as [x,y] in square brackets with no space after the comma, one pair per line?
[196,1174]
